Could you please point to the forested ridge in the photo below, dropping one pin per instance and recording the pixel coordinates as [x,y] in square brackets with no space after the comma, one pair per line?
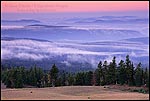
[105,74]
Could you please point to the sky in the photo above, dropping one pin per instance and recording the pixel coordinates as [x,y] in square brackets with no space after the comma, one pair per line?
[72,6]
[43,10]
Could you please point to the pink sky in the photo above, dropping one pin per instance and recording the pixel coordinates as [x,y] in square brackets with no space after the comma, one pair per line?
[73,6]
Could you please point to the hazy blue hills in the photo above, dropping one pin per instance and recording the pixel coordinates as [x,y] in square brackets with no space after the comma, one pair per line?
[144,40]
[13,38]
[47,32]
[44,26]
[21,21]
[111,19]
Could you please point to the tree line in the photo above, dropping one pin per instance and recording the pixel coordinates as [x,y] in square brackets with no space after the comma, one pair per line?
[105,74]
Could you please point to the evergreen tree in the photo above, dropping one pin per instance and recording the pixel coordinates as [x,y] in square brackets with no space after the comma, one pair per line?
[23,73]
[63,80]
[80,79]
[18,79]
[88,78]
[146,77]
[147,81]
[9,80]
[54,74]
[138,75]
[70,79]
[129,71]
[99,74]
[43,83]
[105,76]
[142,76]
[124,73]
[97,77]
[4,76]
[122,76]
[11,77]
[49,81]
[58,82]
[39,77]
[112,71]
[132,80]
[33,79]
[127,66]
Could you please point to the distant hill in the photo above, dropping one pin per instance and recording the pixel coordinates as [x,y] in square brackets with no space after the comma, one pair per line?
[48,32]
[13,38]
[21,21]
[110,19]
[43,26]
[144,40]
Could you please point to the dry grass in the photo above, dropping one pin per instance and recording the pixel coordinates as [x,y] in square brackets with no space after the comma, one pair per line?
[70,92]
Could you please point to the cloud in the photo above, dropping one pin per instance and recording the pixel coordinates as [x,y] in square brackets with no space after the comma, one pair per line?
[6,54]
[38,50]
[139,54]
[66,63]
[11,27]
[75,57]
[133,54]
[30,56]
[83,59]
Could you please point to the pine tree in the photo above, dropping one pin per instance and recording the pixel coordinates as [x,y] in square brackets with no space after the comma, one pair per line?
[99,73]
[147,81]
[43,83]
[93,79]
[18,79]
[48,80]
[114,69]
[32,77]
[142,76]
[9,81]
[39,77]
[70,79]
[88,78]
[80,78]
[132,75]
[112,72]
[23,72]
[146,77]
[127,66]
[63,78]
[12,77]
[54,74]
[122,76]
[129,71]
[97,77]
[105,76]
[138,75]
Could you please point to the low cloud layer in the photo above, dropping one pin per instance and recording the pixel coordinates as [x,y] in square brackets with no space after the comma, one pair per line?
[38,50]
